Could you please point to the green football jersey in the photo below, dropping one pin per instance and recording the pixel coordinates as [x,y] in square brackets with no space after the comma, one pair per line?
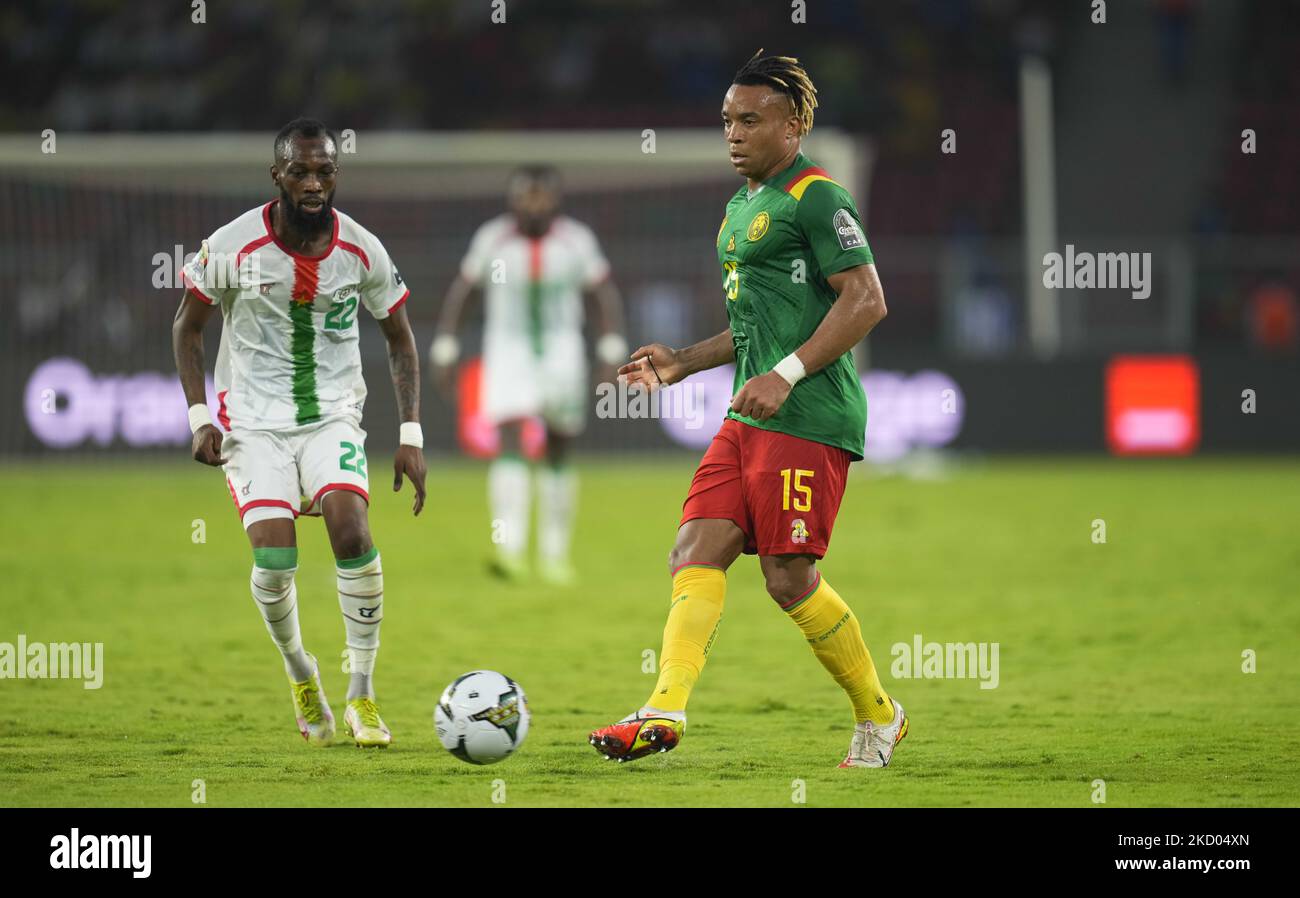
[777,248]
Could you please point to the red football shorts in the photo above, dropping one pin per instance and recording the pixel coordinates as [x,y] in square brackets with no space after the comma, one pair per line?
[783,492]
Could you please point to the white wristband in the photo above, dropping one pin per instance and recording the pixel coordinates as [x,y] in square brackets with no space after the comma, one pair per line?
[612,349]
[199,416]
[791,369]
[444,350]
[411,434]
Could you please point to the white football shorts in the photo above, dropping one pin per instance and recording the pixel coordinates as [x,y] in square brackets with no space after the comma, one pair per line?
[286,473]
[519,383]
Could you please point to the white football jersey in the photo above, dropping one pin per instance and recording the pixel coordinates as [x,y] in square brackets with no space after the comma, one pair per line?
[289,338]
[533,285]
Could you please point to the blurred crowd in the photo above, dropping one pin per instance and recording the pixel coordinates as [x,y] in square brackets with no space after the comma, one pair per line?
[898,73]
[445,64]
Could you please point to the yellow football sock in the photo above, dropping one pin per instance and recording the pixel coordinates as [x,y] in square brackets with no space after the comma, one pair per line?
[836,639]
[698,592]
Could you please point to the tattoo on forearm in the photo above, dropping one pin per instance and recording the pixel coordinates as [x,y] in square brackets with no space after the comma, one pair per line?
[405,367]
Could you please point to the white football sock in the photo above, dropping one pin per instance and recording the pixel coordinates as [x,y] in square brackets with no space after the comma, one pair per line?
[557,492]
[277,599]
[361,599]
[509,488]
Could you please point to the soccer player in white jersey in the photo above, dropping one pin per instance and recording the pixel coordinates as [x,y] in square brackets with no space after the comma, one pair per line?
[534,266]
[289,278]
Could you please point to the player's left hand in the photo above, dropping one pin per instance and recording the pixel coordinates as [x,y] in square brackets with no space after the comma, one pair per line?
[761,397]
[410,461]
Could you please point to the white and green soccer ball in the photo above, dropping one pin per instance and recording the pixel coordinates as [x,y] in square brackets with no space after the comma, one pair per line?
[482,717]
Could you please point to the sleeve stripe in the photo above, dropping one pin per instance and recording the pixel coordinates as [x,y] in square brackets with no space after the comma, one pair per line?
[797,188]
[193,288]
[397,305]
[356,251]
[250,248]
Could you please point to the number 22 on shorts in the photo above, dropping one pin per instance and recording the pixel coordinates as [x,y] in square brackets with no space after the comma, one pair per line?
[801,489]
[353,451]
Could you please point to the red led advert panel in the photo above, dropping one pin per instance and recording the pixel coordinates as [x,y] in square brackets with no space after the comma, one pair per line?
[1153,405]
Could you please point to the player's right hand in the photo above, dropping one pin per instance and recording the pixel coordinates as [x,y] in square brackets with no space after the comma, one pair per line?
[652,366]
[206,446]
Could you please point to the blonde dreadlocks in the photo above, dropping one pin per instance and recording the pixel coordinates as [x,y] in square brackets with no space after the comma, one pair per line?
[784,75]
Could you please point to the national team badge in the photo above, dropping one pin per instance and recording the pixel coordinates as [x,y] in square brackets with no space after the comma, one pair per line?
[798,531]
[758,227]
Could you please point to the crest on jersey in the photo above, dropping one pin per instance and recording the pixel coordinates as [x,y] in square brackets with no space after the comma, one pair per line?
[846,228]
[731,244]
[798,531]
[758,227]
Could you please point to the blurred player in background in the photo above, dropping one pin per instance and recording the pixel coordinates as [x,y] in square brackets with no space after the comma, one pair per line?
[801,291]
[534,266]
[289,277]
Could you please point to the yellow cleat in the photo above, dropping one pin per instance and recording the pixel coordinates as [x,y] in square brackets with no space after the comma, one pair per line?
[315,719]
[365,725]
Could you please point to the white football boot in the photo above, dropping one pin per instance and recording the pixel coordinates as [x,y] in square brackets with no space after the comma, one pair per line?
[873,743]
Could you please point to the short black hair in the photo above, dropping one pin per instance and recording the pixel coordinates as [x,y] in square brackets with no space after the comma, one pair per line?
[542,175]
[302,127]
[786,76]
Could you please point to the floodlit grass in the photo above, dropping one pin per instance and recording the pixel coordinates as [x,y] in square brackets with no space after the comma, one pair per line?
[1120,662]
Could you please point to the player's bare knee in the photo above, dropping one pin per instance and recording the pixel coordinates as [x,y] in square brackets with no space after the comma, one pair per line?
[688,550]
[557,449]
[350,539]
[706,541]
[511,435]
[781,588]
[788,578]
[676,557]
[272,533]
[352,542]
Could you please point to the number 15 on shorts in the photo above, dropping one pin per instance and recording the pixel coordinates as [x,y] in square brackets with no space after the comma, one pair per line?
[802,498]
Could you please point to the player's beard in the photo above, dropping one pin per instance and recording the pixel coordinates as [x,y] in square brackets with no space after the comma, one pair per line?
[533,226]
[306,223]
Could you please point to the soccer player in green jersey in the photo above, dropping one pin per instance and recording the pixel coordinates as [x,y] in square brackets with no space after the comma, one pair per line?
[801,290]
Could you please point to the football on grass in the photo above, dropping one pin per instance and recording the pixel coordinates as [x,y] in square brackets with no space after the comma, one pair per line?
[482,717]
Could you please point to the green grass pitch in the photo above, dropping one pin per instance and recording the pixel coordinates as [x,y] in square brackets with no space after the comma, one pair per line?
[1119,661]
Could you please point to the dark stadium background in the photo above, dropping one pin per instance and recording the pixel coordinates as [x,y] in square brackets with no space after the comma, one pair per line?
[1144,607]
[1149,110]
